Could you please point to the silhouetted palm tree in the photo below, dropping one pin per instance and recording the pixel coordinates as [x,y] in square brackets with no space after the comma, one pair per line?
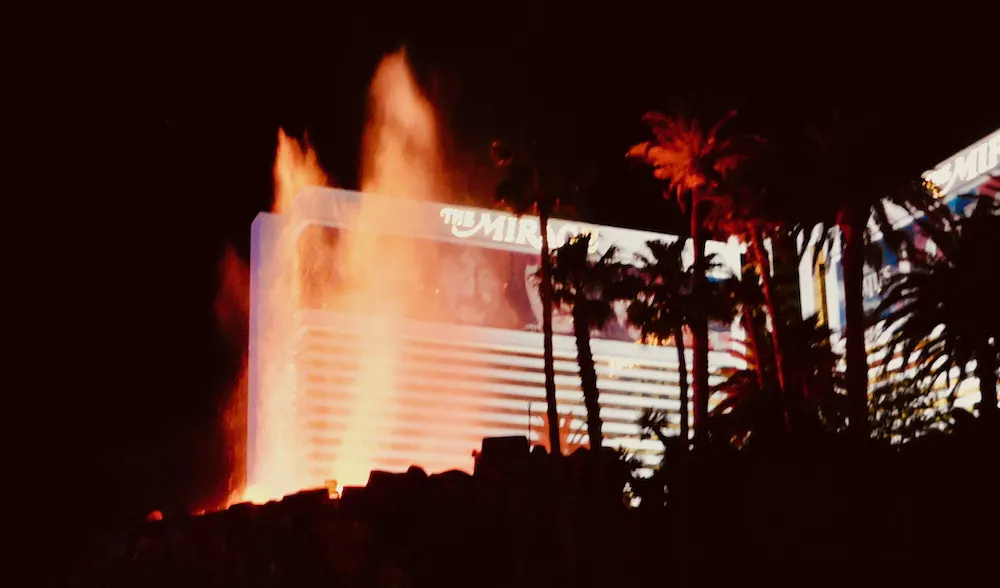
[662,309]
[589,287]
[747,301]
[664,306]
[822,187]
[811,365]
[943,313]
[902,411]
[752,402]
[531,183]
[807,359]
[696,166]
[750,216]
[756,408]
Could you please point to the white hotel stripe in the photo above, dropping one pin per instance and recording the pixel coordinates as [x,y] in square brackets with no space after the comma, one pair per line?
[664,357]
[538,393]
[615,368]
[320,324]
[477,402]
[336,409]
[517,361]
[457,445]
[433,384]
[518,421]
[606,385]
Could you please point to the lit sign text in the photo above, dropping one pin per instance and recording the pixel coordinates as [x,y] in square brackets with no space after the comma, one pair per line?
[506,228]
[968,165]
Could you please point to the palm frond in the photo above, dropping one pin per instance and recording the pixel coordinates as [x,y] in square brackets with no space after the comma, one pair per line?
[939,315]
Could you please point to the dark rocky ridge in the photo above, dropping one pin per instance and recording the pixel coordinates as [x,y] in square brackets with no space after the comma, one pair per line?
[821,512]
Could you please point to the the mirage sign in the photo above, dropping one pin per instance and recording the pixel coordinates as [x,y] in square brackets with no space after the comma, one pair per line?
[969,164]
[507,228]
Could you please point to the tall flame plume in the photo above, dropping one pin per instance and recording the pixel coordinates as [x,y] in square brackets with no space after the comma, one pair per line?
[401,158]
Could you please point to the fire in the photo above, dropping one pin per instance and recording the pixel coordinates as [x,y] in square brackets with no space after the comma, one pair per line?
[295,167]
[401,158]
[279,458]
[401,150]
[232,307]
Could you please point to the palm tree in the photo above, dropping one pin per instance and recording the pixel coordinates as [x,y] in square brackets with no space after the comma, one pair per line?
[663,305]
[802,369]
[662,308]
[752,229]
[756,211]
[902,410]
[747,411]
[747,302]
[811,364]
[942,313]
[589,288]
[696,166]
[755,408]
[826,166]
[753,394]
[529,184]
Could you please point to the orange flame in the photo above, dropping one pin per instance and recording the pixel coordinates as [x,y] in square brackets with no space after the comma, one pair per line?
[401,158]
[280,465]
[232,307]
[295,167]
[402,155]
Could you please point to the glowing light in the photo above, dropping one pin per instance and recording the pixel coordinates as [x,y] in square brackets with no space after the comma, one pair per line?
[361,279]
[401,158]
[279,461]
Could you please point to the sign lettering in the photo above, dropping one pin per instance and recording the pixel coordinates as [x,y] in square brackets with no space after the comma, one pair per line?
[505,228]
[968,165]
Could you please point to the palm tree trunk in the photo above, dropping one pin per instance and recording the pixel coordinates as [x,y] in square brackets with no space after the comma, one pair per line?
[562,539]
[854,328]
[767,288]
[683,469]
[791,402]
[588,378]
[785,272]
[751,335]
[699,325]
[986,371]
[551,409]
[682,382]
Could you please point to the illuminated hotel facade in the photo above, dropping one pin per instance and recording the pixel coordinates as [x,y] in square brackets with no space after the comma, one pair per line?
[462,359]
[962,178]
[468,358]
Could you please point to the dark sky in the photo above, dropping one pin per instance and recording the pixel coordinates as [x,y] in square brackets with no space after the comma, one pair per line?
[167,134]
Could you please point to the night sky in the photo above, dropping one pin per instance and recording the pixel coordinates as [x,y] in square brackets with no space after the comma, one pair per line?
[170,135]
